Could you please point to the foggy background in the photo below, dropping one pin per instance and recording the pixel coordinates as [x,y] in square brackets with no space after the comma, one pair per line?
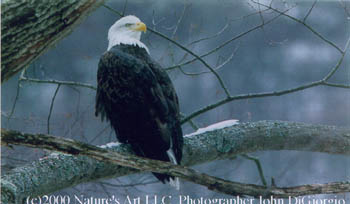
[284,54]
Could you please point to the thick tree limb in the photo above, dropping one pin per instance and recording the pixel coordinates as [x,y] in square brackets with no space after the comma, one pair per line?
[29,28]
[61,171]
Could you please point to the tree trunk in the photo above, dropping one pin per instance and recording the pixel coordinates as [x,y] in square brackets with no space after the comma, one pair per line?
[30,28]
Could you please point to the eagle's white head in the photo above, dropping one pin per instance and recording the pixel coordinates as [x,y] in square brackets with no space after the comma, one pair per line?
[126,30]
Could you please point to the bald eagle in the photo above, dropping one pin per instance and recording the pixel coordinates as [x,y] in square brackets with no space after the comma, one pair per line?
[137,97]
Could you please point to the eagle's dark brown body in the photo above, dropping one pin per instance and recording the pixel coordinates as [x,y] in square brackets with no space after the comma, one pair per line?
[139,100]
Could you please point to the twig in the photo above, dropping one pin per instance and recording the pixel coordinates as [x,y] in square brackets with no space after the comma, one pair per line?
[51,107]
[179,21]
[171,53]
[330,74]
[309,12]
[124,8]
[258,165]
[113,10]
[16,99]
[260,11]
[246,96]
[216,68]
[198,58]
[252,95]
[345,86]
[154,23]
[243,17]
[303,23]
[192,124]
[17,93]
[226,43]
[273,93]
[209,37]
[261,16]
[49,81]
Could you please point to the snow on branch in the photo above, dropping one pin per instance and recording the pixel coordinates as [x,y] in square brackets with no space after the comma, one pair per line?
[89,163]
[216,126]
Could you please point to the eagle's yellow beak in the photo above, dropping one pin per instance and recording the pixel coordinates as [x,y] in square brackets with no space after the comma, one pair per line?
[140,27]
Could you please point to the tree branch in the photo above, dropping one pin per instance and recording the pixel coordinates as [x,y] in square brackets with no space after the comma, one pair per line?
[51,107]
[301,22]
[310,10]
[323,81]
[258,166]
[90,163]
[29,28]
[58,82]
[261,25]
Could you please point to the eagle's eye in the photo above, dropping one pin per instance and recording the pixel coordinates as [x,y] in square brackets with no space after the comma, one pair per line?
[128,24]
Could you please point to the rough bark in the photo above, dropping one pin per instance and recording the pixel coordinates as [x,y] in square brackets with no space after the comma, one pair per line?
[59,171]
[30,27]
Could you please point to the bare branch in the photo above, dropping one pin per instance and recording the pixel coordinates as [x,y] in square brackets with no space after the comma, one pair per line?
[209,37]
[216,68]
[303,23]
[192,124]
[51,107]
[51,81]
[179,20]
[258,166]
[226,43]
[124,8]
[274,93]
[252,95]
[170,52]
[331,73]
[310,10]
[198,58]
[345,86]
[16,99]
[246,16]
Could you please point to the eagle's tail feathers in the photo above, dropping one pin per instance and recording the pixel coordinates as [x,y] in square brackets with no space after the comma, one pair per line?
[173,181]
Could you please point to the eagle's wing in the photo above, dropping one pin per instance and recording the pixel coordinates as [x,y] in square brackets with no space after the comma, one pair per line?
[123,80]
[173,115]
